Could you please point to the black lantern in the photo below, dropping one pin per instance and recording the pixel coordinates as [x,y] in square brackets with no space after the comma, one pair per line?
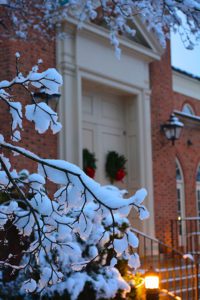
[51,100]
[172,129]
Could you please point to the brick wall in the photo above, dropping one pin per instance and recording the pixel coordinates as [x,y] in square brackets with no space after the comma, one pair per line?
[189,155]
[164,101]
[44,145]
[31,50]
[163,151]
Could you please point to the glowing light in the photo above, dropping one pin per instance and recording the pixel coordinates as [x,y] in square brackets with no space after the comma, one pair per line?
[152,282]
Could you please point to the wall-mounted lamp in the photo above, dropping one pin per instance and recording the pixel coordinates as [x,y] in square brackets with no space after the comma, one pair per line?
[51,100]
[172,129]
[152,283]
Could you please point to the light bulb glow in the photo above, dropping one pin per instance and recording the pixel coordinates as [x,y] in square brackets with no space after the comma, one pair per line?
[152,282]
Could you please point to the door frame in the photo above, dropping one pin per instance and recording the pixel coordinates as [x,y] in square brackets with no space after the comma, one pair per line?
[143,107]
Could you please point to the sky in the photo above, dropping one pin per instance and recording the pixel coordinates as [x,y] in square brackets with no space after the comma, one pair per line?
[186,60]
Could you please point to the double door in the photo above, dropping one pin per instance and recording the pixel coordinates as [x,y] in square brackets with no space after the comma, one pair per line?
[104,129]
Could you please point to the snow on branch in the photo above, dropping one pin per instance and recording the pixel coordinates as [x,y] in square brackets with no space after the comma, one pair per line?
[40,113]
[76,234]
[159,16]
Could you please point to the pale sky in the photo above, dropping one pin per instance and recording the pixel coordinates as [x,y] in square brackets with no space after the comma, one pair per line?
[186,60]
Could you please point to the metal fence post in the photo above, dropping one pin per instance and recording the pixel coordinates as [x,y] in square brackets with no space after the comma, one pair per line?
[196,280]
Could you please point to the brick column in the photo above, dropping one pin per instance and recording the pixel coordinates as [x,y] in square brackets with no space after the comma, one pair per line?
[165,204]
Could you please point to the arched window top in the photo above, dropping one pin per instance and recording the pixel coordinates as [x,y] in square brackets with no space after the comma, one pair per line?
[179,173]
[198,174]
[187,109]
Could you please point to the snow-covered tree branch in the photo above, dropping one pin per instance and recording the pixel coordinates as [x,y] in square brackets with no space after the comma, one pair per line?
[62,235]
[159,16]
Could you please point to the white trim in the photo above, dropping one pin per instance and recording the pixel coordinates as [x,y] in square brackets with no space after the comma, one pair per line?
[145,156]
[186,85]
[180,184]
[150,37]
[150,54]
[118,85]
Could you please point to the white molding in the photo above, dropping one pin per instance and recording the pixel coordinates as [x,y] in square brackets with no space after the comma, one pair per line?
[145,157]
[148,54]
[118,85]
[186,85]
[150,37]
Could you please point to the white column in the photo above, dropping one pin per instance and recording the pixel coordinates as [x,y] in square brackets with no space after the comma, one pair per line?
[70,103]
[146,168]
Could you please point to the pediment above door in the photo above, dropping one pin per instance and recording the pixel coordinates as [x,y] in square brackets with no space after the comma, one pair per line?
[143,43]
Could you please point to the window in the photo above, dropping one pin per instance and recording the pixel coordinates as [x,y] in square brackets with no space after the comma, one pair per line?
[178,173]
[180,201]
[187,109]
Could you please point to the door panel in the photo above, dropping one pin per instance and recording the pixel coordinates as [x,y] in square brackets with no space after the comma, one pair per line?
[109,125]
[112,112]
[88,137]
[112,140]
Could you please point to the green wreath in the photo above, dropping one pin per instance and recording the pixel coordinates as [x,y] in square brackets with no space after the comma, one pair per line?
[89,163]
[115,166]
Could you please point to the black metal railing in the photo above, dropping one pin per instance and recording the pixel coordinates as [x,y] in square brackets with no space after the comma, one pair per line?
[178,272]
[185,235]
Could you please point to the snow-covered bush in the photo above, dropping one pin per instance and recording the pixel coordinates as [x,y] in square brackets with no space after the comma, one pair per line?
[67,239]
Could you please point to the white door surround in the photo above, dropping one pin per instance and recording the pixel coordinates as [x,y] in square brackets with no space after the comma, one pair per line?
[126,82]
[110,124]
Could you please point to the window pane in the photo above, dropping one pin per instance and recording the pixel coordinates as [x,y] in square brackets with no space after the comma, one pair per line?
[198,175]
[179,206]
[187,109]
[178,173]
[178,194]
[180,198]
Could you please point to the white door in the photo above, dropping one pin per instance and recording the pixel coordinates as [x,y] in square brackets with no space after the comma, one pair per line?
[104,129]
